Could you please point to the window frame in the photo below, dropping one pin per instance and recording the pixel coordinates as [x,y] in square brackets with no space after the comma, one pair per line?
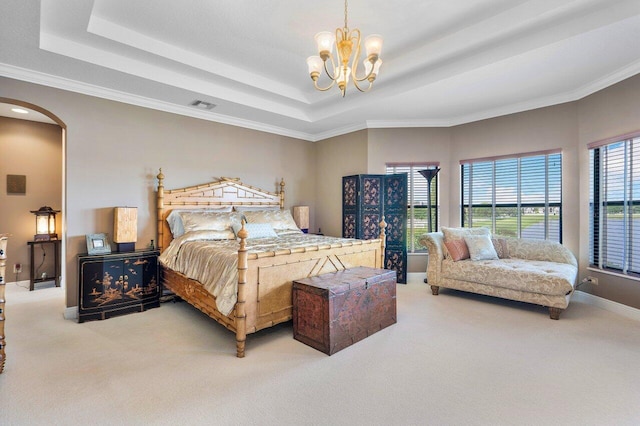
[412,246]
[599,201]
[466,220]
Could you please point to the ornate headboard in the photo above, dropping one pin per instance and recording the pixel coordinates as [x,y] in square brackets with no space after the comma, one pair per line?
[223,192]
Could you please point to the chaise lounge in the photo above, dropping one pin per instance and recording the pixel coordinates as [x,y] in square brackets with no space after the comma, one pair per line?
[527,270]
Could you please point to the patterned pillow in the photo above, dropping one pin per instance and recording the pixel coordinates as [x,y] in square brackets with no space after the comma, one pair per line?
[175,221]
[457,250]
[480,247]
[210,221]
[500,245]
[459,234]
[280,220]
[256,230]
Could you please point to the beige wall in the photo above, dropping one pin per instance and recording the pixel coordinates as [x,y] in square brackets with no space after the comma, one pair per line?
[34,150]
[336,157]
[541,129]
[114,150]
[611,112]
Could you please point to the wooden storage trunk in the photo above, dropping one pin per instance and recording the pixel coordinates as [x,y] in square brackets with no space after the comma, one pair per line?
[335,310]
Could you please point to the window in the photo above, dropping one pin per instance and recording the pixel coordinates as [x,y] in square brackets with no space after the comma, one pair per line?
[518,196]
[417,203]
[614,202]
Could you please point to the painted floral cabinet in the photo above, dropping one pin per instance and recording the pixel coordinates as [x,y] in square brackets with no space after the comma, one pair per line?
[117,283]
[365,199]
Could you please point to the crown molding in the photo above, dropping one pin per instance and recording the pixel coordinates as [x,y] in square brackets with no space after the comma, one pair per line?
[118,96]
[62,83]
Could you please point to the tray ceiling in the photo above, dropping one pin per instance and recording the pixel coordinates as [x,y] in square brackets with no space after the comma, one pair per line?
[445,62]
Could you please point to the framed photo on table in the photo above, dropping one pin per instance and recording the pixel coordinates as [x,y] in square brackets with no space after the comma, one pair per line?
[98,244]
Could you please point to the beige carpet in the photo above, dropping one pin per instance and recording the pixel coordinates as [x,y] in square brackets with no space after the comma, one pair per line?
[454,359]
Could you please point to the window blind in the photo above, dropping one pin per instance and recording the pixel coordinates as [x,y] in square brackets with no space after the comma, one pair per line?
[417,202]
[518,196]
[614,202]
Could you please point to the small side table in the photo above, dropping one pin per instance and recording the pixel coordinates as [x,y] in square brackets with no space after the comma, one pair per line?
[56,262]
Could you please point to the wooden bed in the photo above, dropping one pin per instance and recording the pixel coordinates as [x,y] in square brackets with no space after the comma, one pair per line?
[264,295]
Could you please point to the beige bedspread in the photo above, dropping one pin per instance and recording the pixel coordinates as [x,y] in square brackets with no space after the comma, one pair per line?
[214,263]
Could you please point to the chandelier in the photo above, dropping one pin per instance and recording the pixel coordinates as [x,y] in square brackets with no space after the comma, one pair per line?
[340,71]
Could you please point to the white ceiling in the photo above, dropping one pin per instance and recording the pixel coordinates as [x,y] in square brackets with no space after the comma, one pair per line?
[445,62]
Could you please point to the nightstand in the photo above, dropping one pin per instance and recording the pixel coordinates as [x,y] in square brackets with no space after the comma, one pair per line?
[117,284]
[56,261]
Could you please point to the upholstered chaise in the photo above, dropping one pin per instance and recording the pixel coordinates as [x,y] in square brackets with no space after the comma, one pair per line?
[535,271]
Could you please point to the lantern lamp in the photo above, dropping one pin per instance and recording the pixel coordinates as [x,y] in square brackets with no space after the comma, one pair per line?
[45,224]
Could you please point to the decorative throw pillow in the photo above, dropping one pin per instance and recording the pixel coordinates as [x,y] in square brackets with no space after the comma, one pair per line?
[459,234]
[500,245]
[210,221]
[457,250]
[480,247]
[280,220]
[255,230]
[175,221]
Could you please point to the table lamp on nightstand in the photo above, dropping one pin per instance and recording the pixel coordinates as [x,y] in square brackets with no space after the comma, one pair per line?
[301,217]
[125,228]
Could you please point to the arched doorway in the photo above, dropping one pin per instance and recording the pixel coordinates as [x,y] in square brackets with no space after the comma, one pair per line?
[59,164]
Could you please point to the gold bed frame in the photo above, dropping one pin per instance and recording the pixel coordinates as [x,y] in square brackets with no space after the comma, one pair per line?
[264,279]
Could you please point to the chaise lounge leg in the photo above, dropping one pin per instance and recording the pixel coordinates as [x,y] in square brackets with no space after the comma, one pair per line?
[434,290]
[554,313]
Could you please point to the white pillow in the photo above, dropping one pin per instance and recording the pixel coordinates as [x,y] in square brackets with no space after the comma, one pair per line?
[480,247]
[256,230]
[175,221]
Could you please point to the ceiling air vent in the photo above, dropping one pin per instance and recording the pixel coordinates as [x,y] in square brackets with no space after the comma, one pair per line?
[203,104]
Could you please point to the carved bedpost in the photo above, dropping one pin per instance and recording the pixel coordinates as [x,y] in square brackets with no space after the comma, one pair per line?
[282,194]
[383,241]
[160,206]
[3,258]
[241,315]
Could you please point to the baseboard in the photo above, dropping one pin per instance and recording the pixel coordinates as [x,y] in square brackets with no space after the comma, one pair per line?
[24,283]
[71,313]
[608,305]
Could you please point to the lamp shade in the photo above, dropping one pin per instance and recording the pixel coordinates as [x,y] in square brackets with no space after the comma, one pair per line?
[301,217]
[125,227]
[373,44]
[45,224]
[325,41]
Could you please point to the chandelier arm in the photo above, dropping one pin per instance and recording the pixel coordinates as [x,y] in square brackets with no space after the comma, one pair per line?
[324,89]
[355,83]
[366,77]
[333,67]
[356,59]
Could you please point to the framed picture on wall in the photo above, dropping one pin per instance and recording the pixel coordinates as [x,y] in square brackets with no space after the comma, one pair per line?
[98,244]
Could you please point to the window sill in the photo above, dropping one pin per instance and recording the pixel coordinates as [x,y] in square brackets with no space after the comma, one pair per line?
[615,274]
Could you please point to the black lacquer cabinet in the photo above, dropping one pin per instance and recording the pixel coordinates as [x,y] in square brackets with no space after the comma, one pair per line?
[117,284]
